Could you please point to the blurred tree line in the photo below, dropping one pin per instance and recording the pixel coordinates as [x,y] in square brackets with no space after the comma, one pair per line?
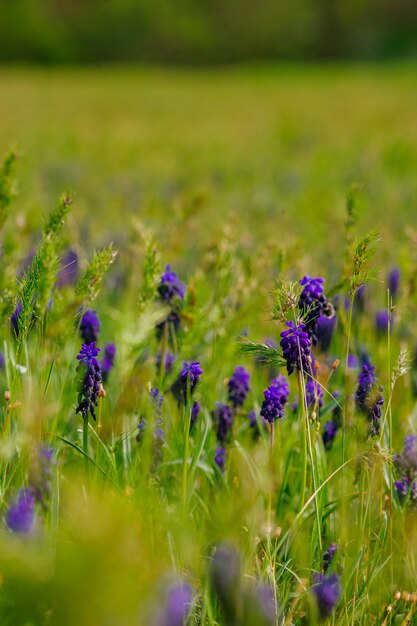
[205,31]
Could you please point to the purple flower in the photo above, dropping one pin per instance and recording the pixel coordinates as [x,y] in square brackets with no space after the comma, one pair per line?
[407,489]
[327,591]
[90,383]
[369,398]
[108,361]
[21,514]
[168,361]
[220,458]
[90,326]
[394,282]
[2,361]
[264,606]
[295,344]
[353,361]
[312,303]
[330,429]
[225,574]
[40,478]
[170,287]
[224,419]
[381,321]
[324,331]
[69,269]
[275,398]
[15,318]
[360,300]
[314,394]
[329,555]
[177,606]
[238,386]
[188,379]
[195,412]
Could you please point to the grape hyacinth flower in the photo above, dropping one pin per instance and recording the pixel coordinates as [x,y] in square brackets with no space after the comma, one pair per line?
[220,458]
[40,478]
[238,386]
[15,318]
[406,466]
[69,269]
[382,318]
[275,398]
[313,393]
[169,360]
[295,344]
[327,591]
[89,327]
[360,299]
[264,606]
[188,379]
[330,429]
[394,282]
[369,398]
[21,513]
[195,412]
[108,360]
[312,303]
[407,489]
[324,331]
[91,381]
[225,573]
[170,287]
[177,606]
[224,419]
[329,555]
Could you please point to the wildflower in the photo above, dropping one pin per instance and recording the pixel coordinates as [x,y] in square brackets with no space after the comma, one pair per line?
[15,317]
[330,430]
[382,318]
[394,282]
[295,344]
[275,398]
[224,419]
[264,606]
[173,320]
[195,412]
[89,327]
[21,514]
[69,269]
[177,606]
[405,487]
[187,380]
[170,287]
[220,458]
[369,398]
[108,361]
[312,303]
[360,299]
[91,381]
[168,361]
[314,394]
[238,386]
[406,462]
[327,591]
[40,478]
[329,555]
[324,331]
[353,361]
[225,574]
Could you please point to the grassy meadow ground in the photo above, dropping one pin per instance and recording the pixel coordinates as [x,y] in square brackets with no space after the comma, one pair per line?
[236,177]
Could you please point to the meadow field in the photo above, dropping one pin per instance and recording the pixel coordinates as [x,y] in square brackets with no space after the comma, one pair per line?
[180,217]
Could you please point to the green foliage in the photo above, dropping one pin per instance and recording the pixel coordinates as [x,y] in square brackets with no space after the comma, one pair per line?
[89,285]
[7,186]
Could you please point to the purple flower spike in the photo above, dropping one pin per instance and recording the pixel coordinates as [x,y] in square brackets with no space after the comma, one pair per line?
[325,329]
[21,514]
[238,386]
[329,555]
[90,326]
[327,591]
[381,321]
[220,458]
[195,412]
[369,398]
[90,384]
[15,318]
[330,429]
[224,419]
[312,304]
[168,361]
[108,360]
[295,344]
[170,287]
[394,278]
[69,269]
[275,398]
[187,380]
[177,606]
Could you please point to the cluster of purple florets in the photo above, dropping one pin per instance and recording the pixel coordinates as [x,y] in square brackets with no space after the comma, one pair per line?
[238,386]
[327,591]
[369,399]
[91,380]
[275,398]
[296,348]
[171,293]
[313,303]
[406,468]
[108,360]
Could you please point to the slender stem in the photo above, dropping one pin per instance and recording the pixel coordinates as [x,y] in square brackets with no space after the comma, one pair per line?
[271,448]
[304,435]
[85,437]
[345,403]
[187,423]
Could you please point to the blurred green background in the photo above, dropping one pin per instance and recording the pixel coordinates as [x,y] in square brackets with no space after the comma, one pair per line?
[205,31]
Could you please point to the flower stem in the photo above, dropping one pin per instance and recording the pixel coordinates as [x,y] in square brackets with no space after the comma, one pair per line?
[187,423]
[85,438]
